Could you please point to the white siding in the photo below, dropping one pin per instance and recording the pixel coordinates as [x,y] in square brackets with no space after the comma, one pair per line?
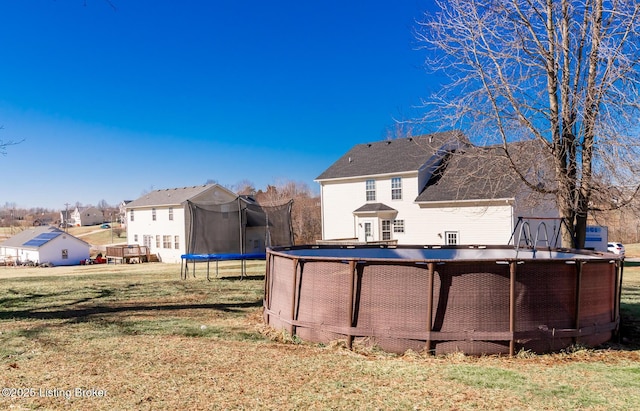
[475,224]
[338,203]
[51,252]
[143,224]
[76,251]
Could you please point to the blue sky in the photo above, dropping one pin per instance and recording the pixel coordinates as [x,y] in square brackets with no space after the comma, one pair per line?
[160,94]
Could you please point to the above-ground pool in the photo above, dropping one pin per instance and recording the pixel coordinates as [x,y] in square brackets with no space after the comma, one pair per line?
[477,300]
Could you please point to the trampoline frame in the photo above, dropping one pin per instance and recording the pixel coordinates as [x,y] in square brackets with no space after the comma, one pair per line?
[193,258]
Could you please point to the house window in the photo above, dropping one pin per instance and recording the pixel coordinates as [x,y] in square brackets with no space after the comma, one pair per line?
[170,213]
[157,241]
[371,190]
[131,216]
[166,241]
[65,254]
[398,226]
[146,240]
[451,237]
[386,230]
[396,188]
[135,238]
[176,241]
[153,214]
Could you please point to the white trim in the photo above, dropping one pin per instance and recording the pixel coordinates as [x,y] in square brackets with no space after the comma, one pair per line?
[411,173]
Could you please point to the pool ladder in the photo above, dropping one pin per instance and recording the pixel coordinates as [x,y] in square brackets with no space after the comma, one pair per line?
[529,242]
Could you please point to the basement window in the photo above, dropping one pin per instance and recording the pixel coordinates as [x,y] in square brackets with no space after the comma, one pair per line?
[451,237]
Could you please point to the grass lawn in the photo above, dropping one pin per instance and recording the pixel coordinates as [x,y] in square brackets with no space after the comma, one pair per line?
[115,337]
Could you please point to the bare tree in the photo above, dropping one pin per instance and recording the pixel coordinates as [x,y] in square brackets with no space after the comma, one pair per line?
[103,205]
[4,144]
[561,72]
[305,213]
[244,187]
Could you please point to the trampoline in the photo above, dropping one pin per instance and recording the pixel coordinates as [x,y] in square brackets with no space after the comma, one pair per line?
[208,258]
[442,299]
[239,230]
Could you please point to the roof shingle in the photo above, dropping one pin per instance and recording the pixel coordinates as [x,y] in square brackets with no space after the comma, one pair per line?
[169,196]
[390,156]
[478,173]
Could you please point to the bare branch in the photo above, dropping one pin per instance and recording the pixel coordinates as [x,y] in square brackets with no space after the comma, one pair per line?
[562,72]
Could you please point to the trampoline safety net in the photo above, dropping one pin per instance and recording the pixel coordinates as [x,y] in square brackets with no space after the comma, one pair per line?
[240,226]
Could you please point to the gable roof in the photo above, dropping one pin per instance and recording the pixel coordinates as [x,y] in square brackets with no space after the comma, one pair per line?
[88,208]
[172,196]
[486,173]
[391,156]
[35,237]
[374,207]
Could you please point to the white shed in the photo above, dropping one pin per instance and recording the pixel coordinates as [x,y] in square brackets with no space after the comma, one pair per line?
[46,244]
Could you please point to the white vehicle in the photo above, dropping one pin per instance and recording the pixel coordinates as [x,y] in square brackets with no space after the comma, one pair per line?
[616,248]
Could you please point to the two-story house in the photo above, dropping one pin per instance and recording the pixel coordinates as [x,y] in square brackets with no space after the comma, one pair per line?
[82,216]
[159,219]
[433,189]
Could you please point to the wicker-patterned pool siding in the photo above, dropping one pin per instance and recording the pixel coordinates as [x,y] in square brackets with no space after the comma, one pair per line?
[444,305]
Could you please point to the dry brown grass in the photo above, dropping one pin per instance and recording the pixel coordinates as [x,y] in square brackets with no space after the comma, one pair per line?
[154,342]
[632,250]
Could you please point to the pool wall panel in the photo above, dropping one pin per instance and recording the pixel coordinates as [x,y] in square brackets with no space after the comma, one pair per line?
[476,307]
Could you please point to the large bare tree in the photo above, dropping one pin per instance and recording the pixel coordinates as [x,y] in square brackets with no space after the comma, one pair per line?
[562,72]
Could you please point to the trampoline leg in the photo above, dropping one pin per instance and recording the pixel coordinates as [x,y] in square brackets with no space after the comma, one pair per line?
[208,279]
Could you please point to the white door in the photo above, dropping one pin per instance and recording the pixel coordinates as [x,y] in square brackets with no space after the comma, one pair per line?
[366,231]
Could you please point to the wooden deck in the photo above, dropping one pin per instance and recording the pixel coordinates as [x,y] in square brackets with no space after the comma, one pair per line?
[128,254]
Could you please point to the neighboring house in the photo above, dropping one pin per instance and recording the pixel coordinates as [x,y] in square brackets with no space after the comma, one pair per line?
[82,217]
[122,212]
[434,189]
[41,245]
[88,216]
[158,219]
[65,218]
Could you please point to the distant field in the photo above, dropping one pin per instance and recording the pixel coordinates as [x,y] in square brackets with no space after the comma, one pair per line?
[632,250]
